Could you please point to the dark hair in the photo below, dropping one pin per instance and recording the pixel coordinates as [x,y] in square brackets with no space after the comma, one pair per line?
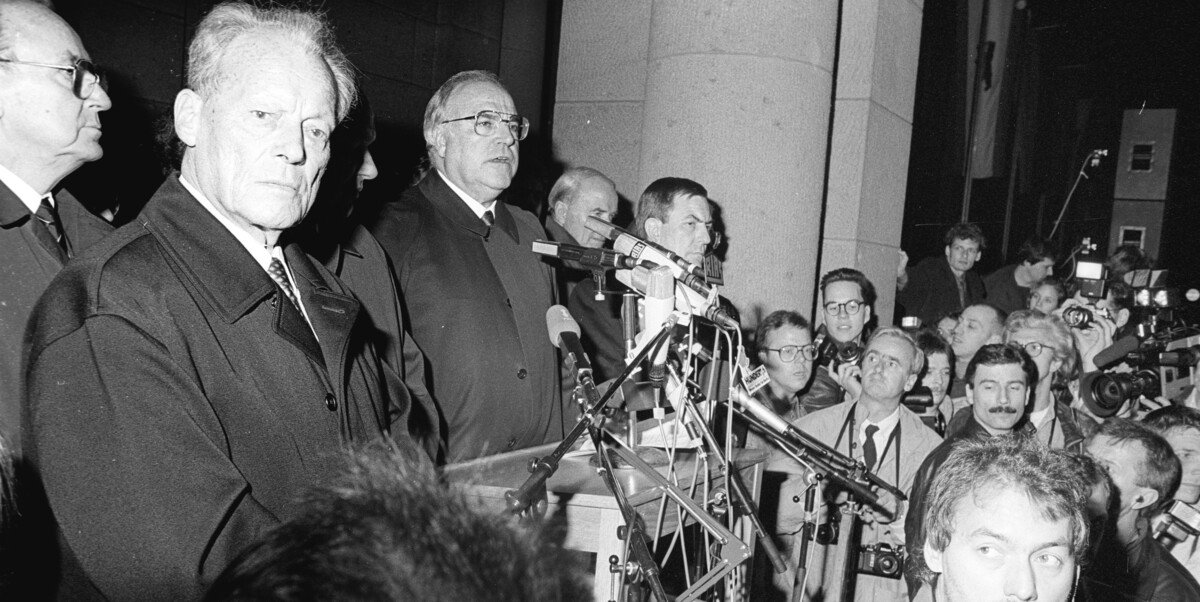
[980,467]
[388,531]
[1036,250]
[930,342]
[1120,295]
[1173,417]
[1159,469]
[776,320]
[1059,287]
[851,275]
[998,354]
[1126,258]
[965,231]
[658,199]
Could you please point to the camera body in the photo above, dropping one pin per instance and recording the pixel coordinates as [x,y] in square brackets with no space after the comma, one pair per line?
[831,354]
[881,560]
[1078,316]
[1178,523]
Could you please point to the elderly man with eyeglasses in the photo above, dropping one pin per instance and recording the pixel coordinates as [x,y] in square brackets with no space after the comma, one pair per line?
[475,294]
[50,102]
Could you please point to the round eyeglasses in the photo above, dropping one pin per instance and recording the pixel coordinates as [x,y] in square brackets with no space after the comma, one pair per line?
[852,306]
[788,353]
[487,121]
[1033,348]
[84,75]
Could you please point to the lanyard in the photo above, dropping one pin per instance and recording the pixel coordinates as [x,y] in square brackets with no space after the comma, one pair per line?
[848,425]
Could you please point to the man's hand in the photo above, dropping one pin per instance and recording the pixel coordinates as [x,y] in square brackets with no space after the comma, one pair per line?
[849,378]
[902,270]
[886,511]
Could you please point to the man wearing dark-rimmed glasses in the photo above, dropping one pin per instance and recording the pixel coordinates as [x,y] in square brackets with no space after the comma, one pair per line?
[50,104]
[847,301]
[475,294]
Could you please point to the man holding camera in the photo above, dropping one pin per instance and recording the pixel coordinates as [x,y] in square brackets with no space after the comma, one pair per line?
[1180,426]
[848,298]
[889,439]
[1145,472]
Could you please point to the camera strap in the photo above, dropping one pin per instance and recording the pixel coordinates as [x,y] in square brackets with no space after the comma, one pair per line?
[848,425]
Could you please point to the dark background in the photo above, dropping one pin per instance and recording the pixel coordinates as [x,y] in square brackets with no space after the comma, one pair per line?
[1079,65]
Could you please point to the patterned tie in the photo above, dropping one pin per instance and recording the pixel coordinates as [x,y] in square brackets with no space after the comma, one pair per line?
[489,219]
[869,451]
[47,214]
[279,275]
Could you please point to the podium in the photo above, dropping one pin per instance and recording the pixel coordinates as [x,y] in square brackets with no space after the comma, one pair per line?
[578,497]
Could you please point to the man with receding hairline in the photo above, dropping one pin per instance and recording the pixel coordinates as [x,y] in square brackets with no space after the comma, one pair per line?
[475,293]
[50,103]
[579,193]
[191,375]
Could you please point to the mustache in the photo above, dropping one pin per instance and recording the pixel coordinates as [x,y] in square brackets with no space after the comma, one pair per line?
[1002,410]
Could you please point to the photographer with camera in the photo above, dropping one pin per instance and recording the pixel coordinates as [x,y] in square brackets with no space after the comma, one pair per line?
[890,440]
[1178,528]
[846,309]
[931,400]
[1145,473]
[1048,341]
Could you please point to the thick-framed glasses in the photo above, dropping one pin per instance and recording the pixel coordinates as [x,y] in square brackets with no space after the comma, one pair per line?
[1033,348]
[852,306]
[85,76]
[486,123]
[788,353]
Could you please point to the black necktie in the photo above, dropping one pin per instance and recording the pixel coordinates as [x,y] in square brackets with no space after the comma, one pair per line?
[49,217]
[489,219]
[869,452]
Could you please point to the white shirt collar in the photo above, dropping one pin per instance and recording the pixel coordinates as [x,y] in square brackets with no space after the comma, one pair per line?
[885,426]
[475,205]
[257,250]
[29,197]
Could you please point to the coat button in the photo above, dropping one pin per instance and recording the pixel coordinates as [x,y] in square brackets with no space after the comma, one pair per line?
[331,402]
[522,373]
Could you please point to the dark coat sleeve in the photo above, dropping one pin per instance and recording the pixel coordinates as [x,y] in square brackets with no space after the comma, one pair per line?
[114,419]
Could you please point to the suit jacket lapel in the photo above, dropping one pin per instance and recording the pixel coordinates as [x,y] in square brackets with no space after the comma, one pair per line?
[330,313]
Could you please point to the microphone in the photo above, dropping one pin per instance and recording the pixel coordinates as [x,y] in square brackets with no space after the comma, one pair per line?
[660,302]
[602,259]
[691,302]
[1118,350]
[564,334]
[623,242]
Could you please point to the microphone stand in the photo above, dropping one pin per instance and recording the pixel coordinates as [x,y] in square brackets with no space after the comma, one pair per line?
[520,499]
[743,503]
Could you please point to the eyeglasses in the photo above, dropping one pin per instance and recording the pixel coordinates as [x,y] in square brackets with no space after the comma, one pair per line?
[84,75]
[486,122]
[1033,348]
[788,353]
[852,306]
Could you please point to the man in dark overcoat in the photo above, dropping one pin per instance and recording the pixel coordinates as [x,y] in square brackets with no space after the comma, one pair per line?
[190,376]
[475,293]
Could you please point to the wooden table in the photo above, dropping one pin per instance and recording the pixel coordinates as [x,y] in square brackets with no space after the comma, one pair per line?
[578,495]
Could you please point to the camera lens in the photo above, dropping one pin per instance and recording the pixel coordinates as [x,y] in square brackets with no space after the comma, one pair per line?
[1077,317]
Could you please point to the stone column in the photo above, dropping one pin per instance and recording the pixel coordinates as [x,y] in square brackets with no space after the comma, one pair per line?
[872,130]
[735,94]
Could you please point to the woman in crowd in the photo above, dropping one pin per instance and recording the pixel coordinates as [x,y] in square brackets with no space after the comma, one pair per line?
[1047,295]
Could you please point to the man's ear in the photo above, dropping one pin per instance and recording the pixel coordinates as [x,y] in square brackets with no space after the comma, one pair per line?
[1144,498]
[560,212]
[438,142]
[1121,317]
[970,394]
[908,384]
[189,111]
[933,558]
[653,228]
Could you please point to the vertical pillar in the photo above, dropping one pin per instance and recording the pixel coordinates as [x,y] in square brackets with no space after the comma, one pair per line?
[872,130]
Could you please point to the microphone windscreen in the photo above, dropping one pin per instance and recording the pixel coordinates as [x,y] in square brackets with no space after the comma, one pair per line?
[558,321]
[1116,351]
